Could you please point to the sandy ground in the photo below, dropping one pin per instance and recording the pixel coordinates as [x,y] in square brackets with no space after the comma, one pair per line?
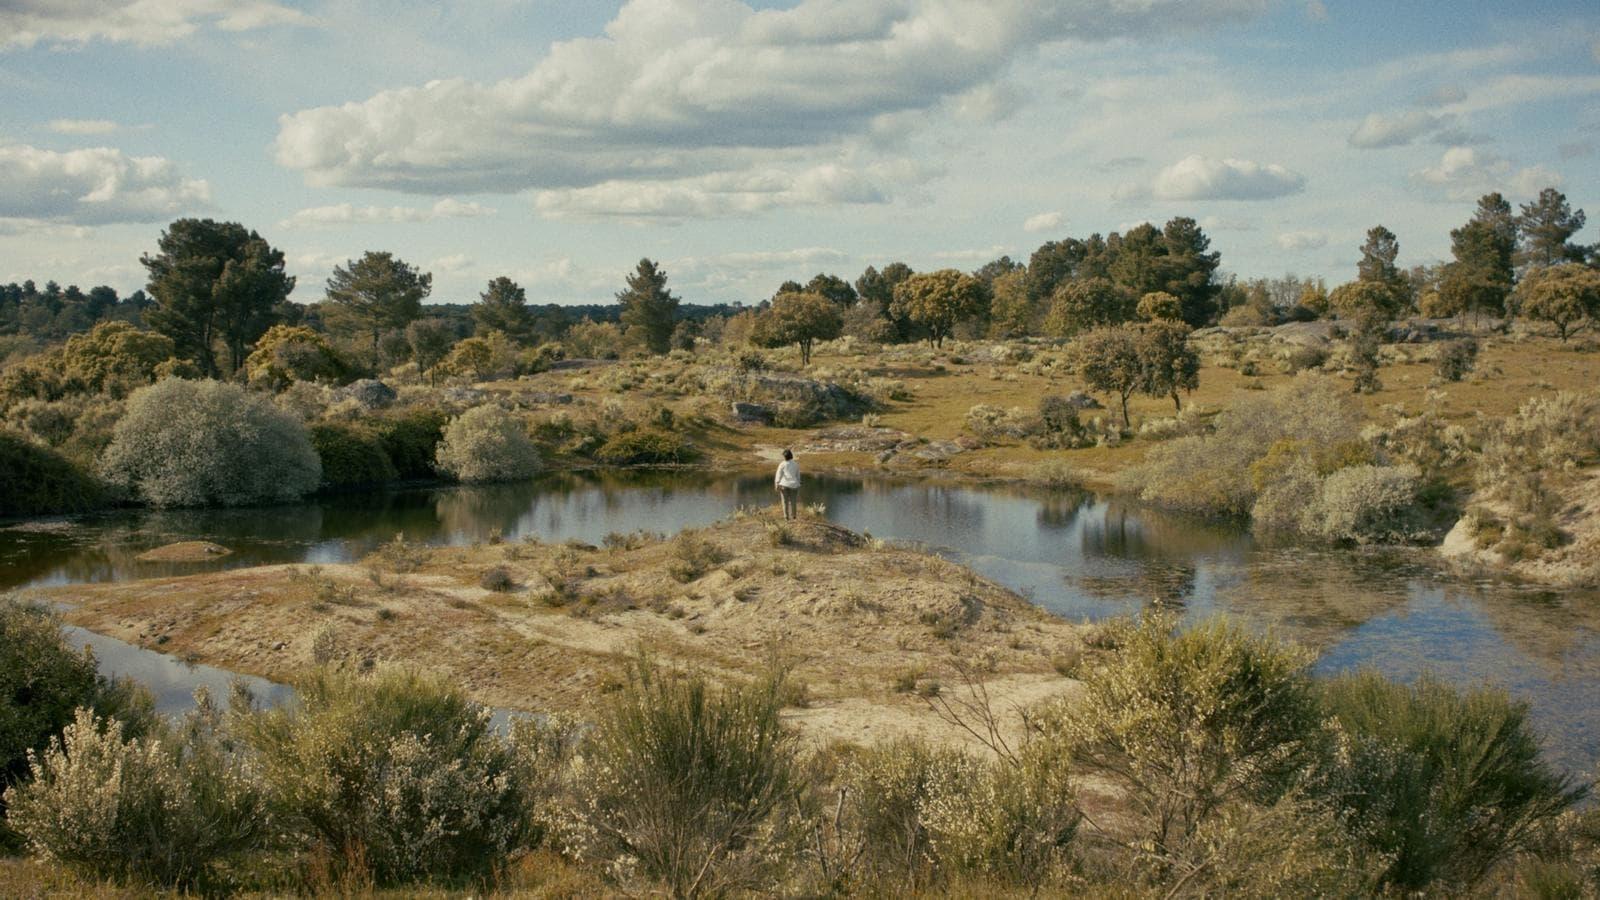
[875,636]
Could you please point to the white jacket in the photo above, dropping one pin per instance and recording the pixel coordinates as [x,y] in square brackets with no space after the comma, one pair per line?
[788,475]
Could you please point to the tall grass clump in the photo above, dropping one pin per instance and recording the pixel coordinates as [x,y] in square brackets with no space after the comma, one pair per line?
[209,443]
[1185,723]
[395,776]
[486,443]
[1445,783]
[689,785]
[164,809]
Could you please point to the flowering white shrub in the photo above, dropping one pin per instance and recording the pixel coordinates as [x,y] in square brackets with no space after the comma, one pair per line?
[202,443]
[159,809]
[486,443]
[1369,504]
[396,770]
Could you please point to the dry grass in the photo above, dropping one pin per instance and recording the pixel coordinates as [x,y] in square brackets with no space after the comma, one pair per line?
[853,615]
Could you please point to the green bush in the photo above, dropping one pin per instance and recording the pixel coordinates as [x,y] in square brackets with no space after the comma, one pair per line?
[36,481]
[1446,783]
[1212,474]
[351,455]
[161,809]
[411,440]
[1009,821]
[1184,723]
[396,772]
[693,556]
[200,443]
[691,784]
[1456,359]
[42,680]
[486,443]
[644,447]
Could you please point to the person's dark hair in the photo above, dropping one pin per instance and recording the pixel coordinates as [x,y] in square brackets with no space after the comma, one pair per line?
[788,454]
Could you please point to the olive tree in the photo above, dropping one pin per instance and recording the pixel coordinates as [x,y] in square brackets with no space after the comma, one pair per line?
[1167,362]
[1109,361]
[1563,295]
[938,301]
[801,319]
[207,443]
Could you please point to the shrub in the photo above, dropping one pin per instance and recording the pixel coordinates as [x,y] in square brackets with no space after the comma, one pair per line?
[42,680]
[1445,783]
[36,481]
[199,443]
[1456,359]
[1369,504]
[1301,359]
[486,443]
[411,440]
[993,423]
[1211,474]
[644,447]
[114,357]
[396,771]
[497,578]
[351,456]
[689,783]
[1185,723]
[885,789]
[1011,821]
[157,809]
[290,353]
[693,556]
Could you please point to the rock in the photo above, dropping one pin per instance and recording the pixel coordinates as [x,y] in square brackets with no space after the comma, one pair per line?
[855,439]
[751,413]
[1080,400]
[185,552]
[369,393]
[938,451]
[463,395]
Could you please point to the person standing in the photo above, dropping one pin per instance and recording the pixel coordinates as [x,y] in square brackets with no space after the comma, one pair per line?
[787,481]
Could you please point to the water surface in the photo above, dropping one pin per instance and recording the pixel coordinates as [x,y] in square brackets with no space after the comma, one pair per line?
[1080,556]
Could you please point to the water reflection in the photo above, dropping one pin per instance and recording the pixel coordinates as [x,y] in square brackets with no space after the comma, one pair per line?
[1077,555]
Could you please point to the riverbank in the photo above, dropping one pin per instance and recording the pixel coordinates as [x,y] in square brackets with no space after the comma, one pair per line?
[871,632]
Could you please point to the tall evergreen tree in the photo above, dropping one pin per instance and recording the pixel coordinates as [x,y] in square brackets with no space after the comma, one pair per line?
[1547,224]
[503,307]
[648,307]
[377,293]
[1480,277]
[1377,267]
[214,281]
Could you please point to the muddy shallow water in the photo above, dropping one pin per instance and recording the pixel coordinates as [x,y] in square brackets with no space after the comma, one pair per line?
[1080,556]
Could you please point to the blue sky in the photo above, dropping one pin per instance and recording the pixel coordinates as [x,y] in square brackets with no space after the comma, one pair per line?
[741,144]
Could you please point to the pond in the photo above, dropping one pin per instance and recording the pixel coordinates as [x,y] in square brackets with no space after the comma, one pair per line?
[1080,556]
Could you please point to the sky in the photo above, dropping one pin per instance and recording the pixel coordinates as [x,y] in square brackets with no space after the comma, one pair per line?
[741,144]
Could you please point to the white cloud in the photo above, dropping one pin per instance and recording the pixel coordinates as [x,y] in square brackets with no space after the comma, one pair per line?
[1302,240]
[350,214]
[82,126]
[723,194]
[1379,130]
[1218,223]
[971,255]
[1316,11]
[1465,173]
[1045,221]
[1202,178]
[697,99]
[144,22]
[96,186]
[453,264]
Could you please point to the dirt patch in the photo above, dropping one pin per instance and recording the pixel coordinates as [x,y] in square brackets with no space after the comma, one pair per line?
[868,630]
[185,551]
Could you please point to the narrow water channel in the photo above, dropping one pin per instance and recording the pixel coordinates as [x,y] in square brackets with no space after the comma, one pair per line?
[1080,556]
